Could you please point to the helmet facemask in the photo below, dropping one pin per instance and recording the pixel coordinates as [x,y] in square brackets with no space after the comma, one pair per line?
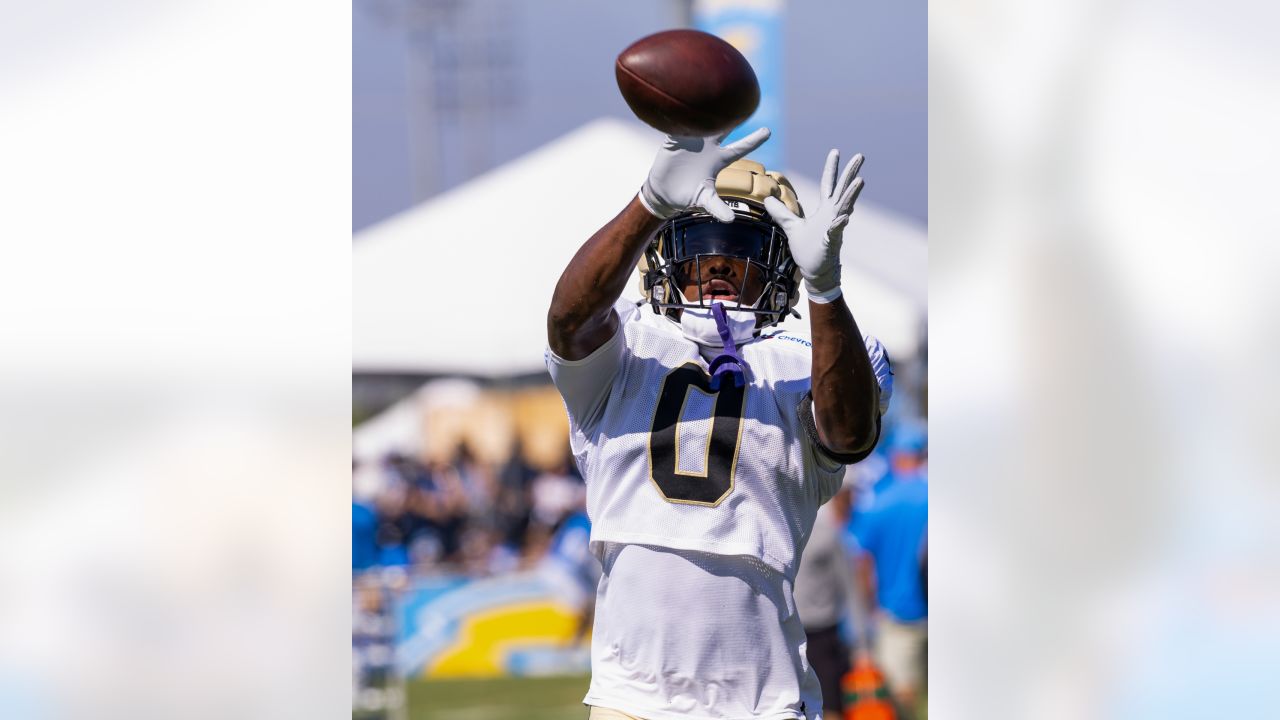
[695,238]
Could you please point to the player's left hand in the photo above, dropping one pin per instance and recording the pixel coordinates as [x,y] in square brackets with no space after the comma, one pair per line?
[815,239]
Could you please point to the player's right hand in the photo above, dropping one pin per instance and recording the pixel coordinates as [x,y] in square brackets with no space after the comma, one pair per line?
[683,175]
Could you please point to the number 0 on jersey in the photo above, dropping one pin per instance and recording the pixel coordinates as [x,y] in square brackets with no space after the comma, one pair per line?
[694,439]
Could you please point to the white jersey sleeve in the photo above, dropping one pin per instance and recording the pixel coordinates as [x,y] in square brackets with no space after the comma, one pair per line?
[880,365]
[585,384]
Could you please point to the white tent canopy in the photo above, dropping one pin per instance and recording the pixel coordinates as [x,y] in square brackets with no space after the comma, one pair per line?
[462,282]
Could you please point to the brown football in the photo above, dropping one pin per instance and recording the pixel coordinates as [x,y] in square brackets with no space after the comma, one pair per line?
[687,82]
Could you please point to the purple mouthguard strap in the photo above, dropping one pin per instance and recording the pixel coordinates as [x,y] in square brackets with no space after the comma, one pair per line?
[729,362]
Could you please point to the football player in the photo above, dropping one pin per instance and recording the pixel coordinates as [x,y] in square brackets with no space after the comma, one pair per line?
[708,438]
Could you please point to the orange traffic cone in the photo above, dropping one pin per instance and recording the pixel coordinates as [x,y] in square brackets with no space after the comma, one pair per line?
[865,695]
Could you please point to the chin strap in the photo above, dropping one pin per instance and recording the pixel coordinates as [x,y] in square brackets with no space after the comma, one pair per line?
[729,361]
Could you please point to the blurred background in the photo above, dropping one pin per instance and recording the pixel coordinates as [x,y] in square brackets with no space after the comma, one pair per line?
[444,90]
[1103,336]
[489,140]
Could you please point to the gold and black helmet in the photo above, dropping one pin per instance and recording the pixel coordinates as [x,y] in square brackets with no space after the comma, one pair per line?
[753,236]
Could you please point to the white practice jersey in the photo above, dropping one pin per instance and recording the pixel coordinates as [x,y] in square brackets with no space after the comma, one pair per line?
[700,502]
[670,463]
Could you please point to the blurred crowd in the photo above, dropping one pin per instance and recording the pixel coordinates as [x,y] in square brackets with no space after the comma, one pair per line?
[862,586]
[888,535]
[459,515]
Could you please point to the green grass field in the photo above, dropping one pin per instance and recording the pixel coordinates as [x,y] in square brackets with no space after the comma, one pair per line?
[558,698]
[554,698]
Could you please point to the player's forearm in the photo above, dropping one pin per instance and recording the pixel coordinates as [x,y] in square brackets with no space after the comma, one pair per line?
[581,318]
[845,393]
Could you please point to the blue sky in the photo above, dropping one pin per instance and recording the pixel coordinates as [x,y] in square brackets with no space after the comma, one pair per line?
[856,79]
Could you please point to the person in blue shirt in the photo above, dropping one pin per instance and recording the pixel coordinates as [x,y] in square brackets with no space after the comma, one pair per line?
[364,534]
[570,564]
[892,534]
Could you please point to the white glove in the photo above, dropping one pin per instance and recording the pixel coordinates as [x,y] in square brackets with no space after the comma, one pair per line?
[684,174]
[815,238]
[880,365]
